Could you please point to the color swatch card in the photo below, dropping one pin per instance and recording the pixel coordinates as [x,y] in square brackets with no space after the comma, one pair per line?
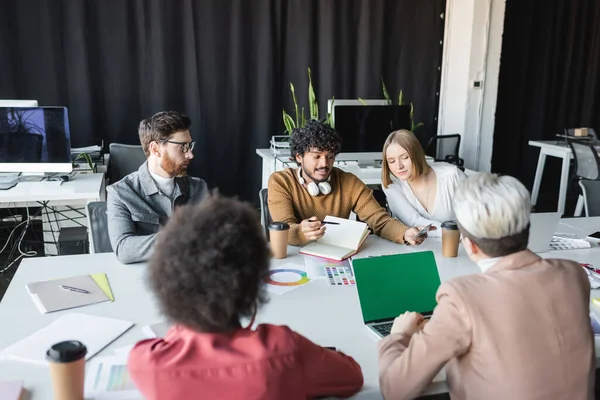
[107,378]
[340,276]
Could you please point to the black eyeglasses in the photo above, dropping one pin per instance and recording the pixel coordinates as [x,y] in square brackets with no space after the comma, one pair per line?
[184,146]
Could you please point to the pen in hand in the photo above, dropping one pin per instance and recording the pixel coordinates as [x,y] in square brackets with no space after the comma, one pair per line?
[324,222]
[73,289]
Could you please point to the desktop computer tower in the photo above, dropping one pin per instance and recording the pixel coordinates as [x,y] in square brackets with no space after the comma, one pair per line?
[73,241]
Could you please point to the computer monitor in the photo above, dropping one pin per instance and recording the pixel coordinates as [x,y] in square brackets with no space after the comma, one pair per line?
[365,128]
[35,140]
[18,103]
[333,103]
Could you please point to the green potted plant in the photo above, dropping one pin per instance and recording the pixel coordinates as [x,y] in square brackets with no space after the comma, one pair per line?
[386,95]
[300,120]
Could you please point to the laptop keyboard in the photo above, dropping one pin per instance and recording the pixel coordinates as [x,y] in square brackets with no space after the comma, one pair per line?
[384,329]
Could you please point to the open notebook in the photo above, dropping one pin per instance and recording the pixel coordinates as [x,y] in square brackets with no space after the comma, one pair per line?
[339,241]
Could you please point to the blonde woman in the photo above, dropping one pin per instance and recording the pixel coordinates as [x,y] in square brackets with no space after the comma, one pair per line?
[417,194]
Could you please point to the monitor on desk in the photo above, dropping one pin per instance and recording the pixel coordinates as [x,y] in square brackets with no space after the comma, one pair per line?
[365,128]
[18,103]
[35,140]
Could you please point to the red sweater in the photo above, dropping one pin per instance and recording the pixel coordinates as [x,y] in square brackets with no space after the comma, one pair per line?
[271,362]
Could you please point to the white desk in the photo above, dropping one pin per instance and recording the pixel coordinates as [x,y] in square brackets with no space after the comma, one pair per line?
[553,148]
[330,316]
[77,192]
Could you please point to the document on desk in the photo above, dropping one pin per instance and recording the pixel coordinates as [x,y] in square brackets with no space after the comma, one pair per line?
[93,331]
[107,378]
[341,240]
[75,291]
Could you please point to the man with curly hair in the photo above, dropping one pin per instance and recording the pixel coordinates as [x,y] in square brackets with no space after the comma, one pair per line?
[207,273]
[302,197]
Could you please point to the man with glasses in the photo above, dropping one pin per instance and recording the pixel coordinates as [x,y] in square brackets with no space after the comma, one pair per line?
[140,203]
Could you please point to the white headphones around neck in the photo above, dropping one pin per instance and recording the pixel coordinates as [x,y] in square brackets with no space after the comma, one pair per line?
[314,189]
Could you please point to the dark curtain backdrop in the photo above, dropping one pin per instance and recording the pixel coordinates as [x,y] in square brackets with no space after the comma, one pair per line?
[225,63]
[549,80]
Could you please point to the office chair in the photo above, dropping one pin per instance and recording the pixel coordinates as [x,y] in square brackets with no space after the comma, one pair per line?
[445,148]
[124,159]
[591,197]
[587,166]
[265,215]
[98,227]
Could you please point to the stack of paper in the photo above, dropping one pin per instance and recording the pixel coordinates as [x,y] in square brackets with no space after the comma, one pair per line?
[65,293]
[11,390]
[94,332]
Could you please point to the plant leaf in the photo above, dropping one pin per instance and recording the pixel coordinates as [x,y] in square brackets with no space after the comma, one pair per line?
[330,115]
[400,98]
[386,95]
[303,118]
[416,126]
[295,103]
[362,101]
[288,122]
[312,99]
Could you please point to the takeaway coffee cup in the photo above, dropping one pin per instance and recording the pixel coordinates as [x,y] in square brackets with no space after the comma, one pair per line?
[450,239]
[67,369]
[278,235]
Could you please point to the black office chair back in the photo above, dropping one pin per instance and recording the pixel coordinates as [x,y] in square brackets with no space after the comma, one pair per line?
[445,148]
[587,162]
[98,226]
[265,215]
[124,159]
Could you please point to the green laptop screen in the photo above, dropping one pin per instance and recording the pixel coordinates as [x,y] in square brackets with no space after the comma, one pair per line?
[390,285]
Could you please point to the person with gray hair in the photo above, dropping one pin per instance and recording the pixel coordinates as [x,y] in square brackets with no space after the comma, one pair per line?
[519,330]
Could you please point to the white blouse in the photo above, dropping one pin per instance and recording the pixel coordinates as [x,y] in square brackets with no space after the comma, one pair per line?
[404,204]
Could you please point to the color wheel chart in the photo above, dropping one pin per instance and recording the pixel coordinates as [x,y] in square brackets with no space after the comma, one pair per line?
[285,278]
[301,275]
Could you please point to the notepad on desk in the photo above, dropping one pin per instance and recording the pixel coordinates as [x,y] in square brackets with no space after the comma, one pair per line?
[75,291]
[339,241]
[93,331]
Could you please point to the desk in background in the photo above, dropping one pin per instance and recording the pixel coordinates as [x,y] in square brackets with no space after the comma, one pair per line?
[329,316]
[553,148]
[366,166]
[67,200]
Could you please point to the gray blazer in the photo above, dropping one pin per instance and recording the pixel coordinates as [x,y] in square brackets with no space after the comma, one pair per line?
[136,210]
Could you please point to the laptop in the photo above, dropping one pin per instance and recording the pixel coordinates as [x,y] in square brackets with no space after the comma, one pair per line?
[542,229]
[387,286]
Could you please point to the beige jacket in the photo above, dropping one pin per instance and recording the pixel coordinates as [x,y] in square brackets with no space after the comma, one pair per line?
[521,330]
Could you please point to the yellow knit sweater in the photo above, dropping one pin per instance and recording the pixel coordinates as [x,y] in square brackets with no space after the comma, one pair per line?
[290,202]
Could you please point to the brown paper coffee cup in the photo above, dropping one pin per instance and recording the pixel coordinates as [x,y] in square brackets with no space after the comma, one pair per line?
[278,235]
[67,369]
[450,239]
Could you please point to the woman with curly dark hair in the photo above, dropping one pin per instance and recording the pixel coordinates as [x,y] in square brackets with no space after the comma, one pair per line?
[207,273]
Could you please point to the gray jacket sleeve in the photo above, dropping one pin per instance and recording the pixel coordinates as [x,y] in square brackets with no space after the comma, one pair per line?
[129,246]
